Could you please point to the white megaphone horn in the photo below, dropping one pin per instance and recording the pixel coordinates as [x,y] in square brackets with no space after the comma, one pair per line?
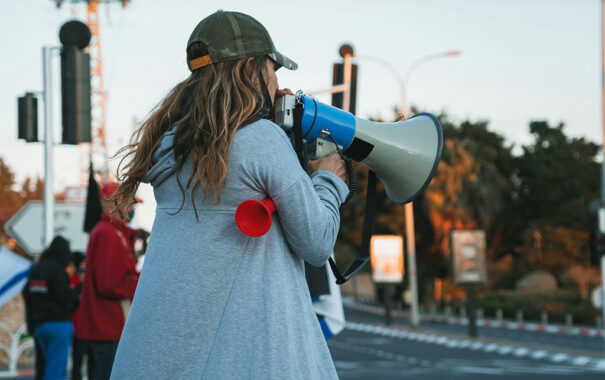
[404,154]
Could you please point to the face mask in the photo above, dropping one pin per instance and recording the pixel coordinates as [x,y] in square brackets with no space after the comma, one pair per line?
[268,112]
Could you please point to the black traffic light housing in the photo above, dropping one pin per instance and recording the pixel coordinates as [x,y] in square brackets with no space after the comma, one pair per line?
[27,110]
[338,73]
[75,83]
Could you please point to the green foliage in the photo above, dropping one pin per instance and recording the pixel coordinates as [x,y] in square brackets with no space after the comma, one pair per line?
[533,206]
[557,178]
[557,304]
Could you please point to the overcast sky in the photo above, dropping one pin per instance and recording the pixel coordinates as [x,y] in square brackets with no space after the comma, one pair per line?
[521,60]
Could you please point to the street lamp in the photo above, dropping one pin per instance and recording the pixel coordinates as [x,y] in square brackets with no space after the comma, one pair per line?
[413,66]
[409,207]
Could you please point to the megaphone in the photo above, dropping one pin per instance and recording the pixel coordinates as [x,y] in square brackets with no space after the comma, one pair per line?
[404,155]
[253,217]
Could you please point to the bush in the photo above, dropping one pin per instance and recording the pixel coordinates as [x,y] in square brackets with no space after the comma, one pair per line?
[557,304]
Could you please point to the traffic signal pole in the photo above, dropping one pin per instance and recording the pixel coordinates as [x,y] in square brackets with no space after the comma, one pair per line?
[603,164]
[49,199]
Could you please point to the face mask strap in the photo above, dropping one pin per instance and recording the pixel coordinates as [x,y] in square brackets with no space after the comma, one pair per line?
[268,110]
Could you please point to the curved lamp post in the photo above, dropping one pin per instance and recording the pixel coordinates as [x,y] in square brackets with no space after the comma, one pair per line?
[409,207]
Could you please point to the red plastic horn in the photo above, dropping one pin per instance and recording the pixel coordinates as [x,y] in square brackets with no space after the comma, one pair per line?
[254,217]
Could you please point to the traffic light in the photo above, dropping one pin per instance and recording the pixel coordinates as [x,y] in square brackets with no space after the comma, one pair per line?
[75,83]
[338,78]
[27,110]
[338,75]
[597,232]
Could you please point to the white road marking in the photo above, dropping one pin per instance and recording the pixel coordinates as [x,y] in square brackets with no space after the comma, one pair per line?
[582,361]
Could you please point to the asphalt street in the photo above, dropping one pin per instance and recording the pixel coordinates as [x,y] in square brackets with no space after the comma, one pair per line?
[367,349]
[361,354]
[572,344]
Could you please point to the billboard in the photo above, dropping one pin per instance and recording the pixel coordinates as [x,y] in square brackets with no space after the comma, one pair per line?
[386,258]
[468,257]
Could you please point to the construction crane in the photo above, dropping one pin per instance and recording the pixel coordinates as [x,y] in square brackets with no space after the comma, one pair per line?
[98,145]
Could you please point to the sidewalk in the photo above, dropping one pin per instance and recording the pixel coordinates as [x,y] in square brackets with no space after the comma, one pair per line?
[481,322]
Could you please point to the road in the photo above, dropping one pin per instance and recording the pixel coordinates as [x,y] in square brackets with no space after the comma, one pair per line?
[570,344]
[368,350]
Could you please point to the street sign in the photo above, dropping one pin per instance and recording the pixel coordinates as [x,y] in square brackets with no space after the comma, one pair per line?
[386,258]
[76,194]
[27,226]
[468,261]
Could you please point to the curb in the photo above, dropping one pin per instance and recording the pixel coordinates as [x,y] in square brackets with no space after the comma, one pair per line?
[520,352]
[17,373]
[482,322]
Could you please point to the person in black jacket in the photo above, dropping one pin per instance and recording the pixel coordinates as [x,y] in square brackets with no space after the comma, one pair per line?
[50,303]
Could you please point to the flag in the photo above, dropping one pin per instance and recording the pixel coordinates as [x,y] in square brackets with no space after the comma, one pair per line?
[14,270]
[93,205]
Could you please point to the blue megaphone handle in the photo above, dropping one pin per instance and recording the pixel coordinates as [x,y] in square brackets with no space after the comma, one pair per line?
[318,116]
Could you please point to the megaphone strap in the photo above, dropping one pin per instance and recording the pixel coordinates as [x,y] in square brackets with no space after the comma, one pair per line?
[314,118]
[368,223]
[370,209]
[298,137]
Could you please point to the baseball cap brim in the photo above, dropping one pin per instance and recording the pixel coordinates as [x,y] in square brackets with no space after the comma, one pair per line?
[282,60]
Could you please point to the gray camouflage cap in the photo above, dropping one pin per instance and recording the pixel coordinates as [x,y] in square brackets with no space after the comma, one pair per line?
[234,35]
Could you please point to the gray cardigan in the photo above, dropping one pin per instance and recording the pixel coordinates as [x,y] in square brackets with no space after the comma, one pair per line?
[213,303]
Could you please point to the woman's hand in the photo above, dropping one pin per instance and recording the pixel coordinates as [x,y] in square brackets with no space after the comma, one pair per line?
[332,163]
[281,92]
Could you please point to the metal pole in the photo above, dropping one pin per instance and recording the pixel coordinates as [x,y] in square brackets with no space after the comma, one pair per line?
[49,200]
[603,102]
[603,295]
[388,295]
[471,311]
[409,208]
[411,249]
[603,165]
[346,96]
[410,238]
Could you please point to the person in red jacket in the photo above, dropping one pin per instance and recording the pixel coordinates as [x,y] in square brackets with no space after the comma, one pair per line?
[110,281]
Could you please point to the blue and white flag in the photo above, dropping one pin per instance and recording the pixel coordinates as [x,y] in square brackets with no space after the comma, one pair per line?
[14,270]
[329,308]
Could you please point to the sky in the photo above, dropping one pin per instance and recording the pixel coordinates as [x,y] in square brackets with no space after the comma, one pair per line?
[520,60]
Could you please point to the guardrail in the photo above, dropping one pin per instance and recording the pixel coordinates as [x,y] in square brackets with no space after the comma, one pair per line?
[15,349]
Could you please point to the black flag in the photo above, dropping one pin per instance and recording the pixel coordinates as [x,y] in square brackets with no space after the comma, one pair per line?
[93,204]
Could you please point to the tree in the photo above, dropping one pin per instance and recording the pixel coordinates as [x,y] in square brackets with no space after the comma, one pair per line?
[8,196]
[13,197]
[471,189]
[557,178]
[472,186]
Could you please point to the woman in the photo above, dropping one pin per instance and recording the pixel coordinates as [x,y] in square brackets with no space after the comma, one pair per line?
[212,302]
[50,303]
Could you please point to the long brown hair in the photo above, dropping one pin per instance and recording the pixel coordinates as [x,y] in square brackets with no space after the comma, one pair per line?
[211,105]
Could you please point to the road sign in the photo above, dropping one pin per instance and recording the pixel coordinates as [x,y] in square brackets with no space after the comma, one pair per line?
[27,226]
[386,258]
[468,257]
[76,194]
